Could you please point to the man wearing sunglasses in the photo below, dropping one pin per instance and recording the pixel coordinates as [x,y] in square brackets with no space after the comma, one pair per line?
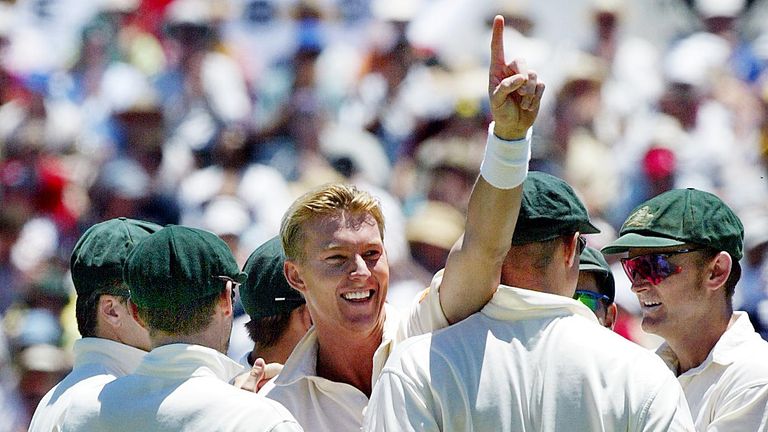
[596,287]
[533,359]
[683,249]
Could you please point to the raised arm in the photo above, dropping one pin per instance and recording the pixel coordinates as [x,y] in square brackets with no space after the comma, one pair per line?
[473,269]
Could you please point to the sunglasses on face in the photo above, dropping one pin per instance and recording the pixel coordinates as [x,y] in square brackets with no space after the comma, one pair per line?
[592,299]
[582,244]
[235,284]
[652,267]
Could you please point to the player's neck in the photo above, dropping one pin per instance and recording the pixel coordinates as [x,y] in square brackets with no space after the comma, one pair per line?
[277,353]
[693,347]
[347,359]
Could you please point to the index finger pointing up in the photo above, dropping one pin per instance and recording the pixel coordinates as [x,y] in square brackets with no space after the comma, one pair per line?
[497,42]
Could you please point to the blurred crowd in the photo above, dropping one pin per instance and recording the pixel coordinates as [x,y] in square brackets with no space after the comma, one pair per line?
[218,113]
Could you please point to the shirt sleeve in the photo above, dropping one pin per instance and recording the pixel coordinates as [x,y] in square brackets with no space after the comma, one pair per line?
[426,314]
[397,405]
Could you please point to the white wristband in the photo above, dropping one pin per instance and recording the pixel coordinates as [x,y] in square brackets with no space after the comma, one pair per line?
[505,164]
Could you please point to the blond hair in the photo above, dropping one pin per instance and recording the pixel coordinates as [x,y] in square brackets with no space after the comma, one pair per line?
[326,200]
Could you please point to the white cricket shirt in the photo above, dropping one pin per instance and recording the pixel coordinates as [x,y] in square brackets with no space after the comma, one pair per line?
[97,362]
[729,391]
[178,387]
[528,361]
[322,405]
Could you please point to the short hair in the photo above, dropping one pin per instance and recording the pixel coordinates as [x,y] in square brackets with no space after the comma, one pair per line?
[733,279]
[545,250]
[329,199]
[87,307]
[186,319]
[265,332]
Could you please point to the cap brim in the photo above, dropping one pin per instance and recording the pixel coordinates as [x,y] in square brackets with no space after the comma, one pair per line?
[241,277]
[592,268]
[588,228]
[633,240]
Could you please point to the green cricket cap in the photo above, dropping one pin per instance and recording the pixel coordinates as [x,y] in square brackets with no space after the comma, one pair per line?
[679,217]
[177,266]
[266,292]
[97,260]
[592,260]
[550,208]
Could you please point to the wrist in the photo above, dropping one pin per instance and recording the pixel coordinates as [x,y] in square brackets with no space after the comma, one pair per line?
[505,163]
[509,134]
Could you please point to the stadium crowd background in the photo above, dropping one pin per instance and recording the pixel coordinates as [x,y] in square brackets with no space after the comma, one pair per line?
[218,113]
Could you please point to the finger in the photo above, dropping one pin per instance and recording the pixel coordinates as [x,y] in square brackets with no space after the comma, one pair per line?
[528,91]
[240,380]
[270,371]
[257,370]
[497,42]
[246,381]
[540,87]
[506,87]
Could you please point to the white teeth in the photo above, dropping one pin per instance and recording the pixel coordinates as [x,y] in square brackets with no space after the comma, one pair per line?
[649,304]
[357,295]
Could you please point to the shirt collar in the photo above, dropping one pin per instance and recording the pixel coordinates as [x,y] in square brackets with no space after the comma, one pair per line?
[302,363]
[739,330]
[724,352]
[187,360]
[245,360]
[510,303]
[121,357]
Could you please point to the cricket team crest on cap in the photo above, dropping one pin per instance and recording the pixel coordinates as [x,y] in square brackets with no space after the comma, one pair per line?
[640,219]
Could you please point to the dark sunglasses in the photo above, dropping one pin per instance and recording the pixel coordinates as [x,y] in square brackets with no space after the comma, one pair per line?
[582,244]
[235,284]
[652,267]
[592,299]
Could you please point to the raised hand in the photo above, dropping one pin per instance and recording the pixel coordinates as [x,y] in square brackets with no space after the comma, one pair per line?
[514,91]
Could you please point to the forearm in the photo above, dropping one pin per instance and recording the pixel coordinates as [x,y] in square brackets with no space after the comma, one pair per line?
[473,268]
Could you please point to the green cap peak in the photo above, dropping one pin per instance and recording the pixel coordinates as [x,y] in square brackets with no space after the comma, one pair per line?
[678,217]
[177,266]
[549,208]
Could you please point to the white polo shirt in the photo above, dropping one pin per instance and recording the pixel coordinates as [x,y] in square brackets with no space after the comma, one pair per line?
[178,387]
[320,404]
[729,391]
[528,361]
[97,362]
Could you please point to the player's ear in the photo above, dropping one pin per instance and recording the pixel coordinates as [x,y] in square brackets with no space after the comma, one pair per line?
[611,314]
[108,309]
[226,298]
[719,270]
[293,276]
[571,249]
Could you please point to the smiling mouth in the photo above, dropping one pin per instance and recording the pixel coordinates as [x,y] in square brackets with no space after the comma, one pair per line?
[357,295]
[650,304]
